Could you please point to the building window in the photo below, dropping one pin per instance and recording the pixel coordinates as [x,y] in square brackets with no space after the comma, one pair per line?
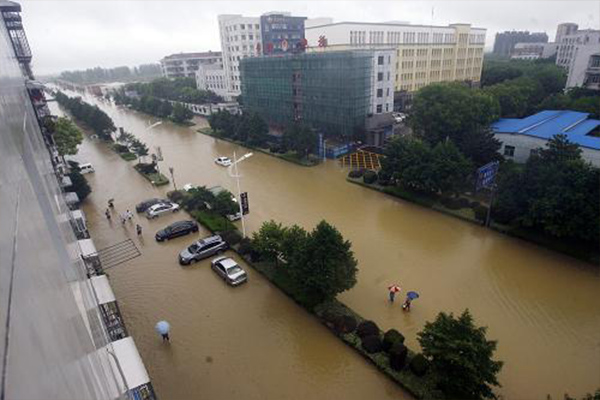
[379,92]
[379,76]
[242,26]
[380,60]
[387,92]
[387,107]
[256,26]
[509,151]
[379,108]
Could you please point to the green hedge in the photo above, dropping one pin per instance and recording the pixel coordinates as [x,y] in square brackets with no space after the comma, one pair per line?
[128,156]
[212,221]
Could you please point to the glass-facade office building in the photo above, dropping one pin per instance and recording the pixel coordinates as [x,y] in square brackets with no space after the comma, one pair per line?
[327,91]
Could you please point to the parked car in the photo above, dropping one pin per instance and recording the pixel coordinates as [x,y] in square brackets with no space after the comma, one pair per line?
[202,248]
[229,270]
[158,209]
[86,168]
[223,161]
[176,229]
[146,204]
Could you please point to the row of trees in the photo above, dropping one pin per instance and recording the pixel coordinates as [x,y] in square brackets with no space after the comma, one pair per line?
[555,192]
[248,128]
[178,89]
[92,116]
[66,135]
[154,106]
[118,74]
[526,87]
[127,142]
[198,197]
[320,263]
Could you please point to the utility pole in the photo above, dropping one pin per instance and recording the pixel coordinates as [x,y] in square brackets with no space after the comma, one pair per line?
[171,170]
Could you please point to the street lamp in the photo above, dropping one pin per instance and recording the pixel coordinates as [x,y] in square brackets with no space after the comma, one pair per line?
[172,170]
[239,194]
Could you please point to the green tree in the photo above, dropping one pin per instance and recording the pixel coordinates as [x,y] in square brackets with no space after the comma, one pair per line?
[301,139]
[139,148]
[267,241]
[79,184]
[328,266]
[449,170]
[258,130]
[461,355]
[224,205]
[197,198]
[464,115]
[181,114]
[293,243]
[66,136]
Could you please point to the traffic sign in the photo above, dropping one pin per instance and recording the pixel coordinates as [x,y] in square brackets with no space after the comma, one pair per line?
[245,204]
[486,175]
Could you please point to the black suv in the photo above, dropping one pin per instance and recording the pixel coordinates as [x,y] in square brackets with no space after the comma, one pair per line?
[176,229]
[146,204]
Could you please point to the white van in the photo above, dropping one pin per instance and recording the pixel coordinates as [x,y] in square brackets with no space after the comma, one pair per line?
[86,168]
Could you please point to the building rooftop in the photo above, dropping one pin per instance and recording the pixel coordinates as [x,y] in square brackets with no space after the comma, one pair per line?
[545,124]
[393,23]
[192,55]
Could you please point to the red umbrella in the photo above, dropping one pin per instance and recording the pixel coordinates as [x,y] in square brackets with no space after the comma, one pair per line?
[394,288]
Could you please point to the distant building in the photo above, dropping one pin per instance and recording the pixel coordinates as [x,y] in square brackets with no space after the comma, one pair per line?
[186,64]
[424,54]
[533,51]
[522,137]
[564,29]
[328,91]
[575,53]
[212,77]
[506,41]
[592,73]
[241,37]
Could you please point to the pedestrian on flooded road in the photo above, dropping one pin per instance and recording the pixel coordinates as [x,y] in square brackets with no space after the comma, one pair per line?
[393,289]
[107,213]
[129,215]
[138,229]
[123,218]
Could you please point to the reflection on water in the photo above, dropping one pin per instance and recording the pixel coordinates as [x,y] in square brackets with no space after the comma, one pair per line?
[540,305]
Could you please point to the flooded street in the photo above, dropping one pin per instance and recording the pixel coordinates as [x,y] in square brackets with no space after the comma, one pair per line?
[252,342]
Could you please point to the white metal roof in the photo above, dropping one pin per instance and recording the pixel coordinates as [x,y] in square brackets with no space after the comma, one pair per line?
[71,198]
[78,214]
[130,361]
[102,288]
[87,247]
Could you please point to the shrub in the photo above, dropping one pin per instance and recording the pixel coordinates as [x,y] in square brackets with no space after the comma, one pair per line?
[79,185]
[367,328]
[213,222]
[419,365]
[370,177]
[344,324]
[245,246]
[146,168]
[371,343]
[390,338]
[232,237]
[176,196]
[480,212]
[119,148]
[356,173]
[474,204]
[463,203]
[451,203]
[398,354]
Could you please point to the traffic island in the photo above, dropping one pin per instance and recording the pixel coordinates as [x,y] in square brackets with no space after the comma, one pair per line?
[149,172]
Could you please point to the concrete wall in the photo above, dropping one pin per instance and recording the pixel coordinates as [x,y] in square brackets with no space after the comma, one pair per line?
[524,144]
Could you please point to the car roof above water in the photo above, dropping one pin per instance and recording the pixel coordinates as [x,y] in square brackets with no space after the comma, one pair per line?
[210,239]
[177,224]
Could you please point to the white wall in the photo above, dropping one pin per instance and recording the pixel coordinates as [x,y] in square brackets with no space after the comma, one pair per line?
[524,144]
[388,71]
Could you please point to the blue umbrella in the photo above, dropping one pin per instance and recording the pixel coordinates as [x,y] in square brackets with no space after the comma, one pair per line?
[412,295]
[162,327]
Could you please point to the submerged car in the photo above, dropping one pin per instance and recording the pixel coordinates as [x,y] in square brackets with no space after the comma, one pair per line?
[161,208]
[223,161]
[229,270]
[202,248]
[146,204]
[176,229]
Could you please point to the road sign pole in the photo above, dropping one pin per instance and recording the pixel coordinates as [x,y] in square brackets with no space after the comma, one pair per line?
[489,210]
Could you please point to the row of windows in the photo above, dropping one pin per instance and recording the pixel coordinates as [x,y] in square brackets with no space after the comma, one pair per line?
[380,92]
[379,108]
[241,37]
[377,37]
[242,27]
[421,64]
[433,75]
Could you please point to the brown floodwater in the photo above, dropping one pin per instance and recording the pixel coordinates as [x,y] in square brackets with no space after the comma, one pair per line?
[253,342]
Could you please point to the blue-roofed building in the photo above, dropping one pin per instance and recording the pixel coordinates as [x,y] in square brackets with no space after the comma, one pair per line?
[522,136]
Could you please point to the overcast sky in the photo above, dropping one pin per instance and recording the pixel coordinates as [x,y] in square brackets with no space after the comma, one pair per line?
[68,35]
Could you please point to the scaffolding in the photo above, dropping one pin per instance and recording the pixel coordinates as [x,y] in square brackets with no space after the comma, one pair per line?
[329,92]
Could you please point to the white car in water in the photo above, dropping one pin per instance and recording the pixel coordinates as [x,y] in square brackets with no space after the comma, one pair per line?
[161,208]
[223,161]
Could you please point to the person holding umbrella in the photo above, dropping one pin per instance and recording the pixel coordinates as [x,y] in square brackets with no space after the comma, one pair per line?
[163,327]
[410,296]
[393,289]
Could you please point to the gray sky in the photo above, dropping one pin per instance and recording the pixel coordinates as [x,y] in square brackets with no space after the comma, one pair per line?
[67,35]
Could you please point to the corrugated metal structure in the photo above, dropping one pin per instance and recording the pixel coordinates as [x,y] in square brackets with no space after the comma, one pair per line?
[329,92]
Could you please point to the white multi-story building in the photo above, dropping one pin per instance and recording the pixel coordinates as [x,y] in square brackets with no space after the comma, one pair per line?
[186,64]
[424,54]
[212,77]
[533,51]
[574,53]
[240,37]
[566,28]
